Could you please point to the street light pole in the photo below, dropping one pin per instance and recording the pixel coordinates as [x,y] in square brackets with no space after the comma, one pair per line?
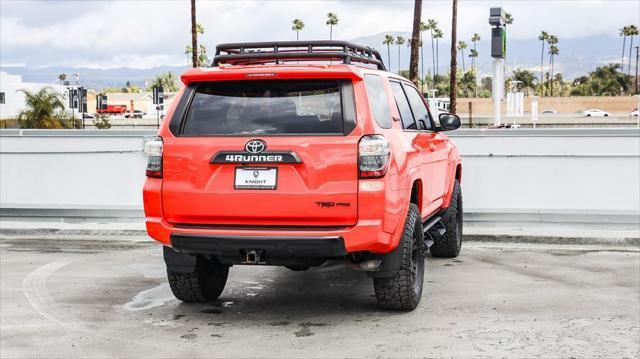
[497,18]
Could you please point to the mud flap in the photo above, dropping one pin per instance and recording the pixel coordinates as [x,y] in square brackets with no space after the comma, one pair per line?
[391,263]
[177,261]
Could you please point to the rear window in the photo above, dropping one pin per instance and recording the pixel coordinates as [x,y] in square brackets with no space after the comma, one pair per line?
[266,107]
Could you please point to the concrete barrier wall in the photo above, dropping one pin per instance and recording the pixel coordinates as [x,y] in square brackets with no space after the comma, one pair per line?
[562,175]
[615,104]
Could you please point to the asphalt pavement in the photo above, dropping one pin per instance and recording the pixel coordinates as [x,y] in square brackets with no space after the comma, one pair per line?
[77,298]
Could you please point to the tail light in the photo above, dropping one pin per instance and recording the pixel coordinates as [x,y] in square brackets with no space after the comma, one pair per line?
[153,149]
[373,156]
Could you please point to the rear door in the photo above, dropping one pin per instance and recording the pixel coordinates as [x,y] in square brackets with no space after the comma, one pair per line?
[261,153]
[432,181]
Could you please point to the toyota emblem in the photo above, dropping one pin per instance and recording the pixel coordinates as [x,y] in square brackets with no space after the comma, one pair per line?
[255,146]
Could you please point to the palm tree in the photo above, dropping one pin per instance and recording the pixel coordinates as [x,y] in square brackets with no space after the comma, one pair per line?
[43,109]
[454,55]
[194,35]
[543,37]
[399,41]
[553,51]
[423,28]
[473,54]
[187,51]
[388,40]
[624,32]
[461,46]
[415,41]
[632,31]
[432,25]
[437,34]
[508,19]
[332,20]
[61,78]
[475,38]
[297,26]
[167,80]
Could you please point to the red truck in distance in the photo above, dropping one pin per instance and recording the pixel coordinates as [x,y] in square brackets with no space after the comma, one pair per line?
[113,109]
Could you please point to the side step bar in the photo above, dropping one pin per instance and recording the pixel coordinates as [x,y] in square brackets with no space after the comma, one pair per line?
[433,229]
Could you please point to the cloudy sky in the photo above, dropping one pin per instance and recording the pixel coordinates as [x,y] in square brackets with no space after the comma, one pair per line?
[148,33]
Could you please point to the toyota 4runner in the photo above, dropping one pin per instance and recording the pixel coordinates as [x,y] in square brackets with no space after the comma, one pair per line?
[295,153]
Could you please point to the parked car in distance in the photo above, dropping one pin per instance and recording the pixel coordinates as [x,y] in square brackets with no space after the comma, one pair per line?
[634,113]
[135,114]
[595,112]
[265,162]
[549,111]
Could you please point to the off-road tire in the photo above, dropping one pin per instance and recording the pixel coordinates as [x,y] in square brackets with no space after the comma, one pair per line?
[449,245]
[204,284]
[404,289]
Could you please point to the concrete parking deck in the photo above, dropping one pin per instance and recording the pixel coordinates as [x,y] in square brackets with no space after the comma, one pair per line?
[110,299]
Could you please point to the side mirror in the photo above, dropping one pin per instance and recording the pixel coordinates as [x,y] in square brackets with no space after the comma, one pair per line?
[449,121]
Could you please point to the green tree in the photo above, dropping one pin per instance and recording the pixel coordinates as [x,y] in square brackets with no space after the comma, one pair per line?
[604,81]
[188,50]
[388,40]
[202,58]
[43,109]
[467,84]
[553,51]
[298,25]
[526,78]
[437,34]
[399,41]
[102,121]
[508,19]
[543,38]
[332,20]
[475,38]
[624,32]
[423,27]
[631,32]
[62,78]
[432,26]
[461,46]
[167,80]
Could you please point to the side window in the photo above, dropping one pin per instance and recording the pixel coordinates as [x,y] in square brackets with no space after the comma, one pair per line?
[419,109]
[403,106]
[378,100]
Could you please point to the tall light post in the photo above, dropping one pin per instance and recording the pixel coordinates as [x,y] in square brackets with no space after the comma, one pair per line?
[497,18]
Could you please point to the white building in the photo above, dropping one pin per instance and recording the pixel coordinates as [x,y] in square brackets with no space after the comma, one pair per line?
[12,101]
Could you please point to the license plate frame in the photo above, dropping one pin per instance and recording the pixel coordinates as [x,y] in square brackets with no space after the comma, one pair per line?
[240,182]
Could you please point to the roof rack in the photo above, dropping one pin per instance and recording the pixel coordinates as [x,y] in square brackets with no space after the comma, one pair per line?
[249,53]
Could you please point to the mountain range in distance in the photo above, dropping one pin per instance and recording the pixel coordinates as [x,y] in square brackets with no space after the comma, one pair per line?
[578,56]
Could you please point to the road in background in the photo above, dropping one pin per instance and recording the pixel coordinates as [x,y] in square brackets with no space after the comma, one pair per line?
[111,299]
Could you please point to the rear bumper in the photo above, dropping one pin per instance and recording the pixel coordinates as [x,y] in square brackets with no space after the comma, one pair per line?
[364,236]
[278,246]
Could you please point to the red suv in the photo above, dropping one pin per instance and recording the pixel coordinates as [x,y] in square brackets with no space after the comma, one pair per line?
[295,153]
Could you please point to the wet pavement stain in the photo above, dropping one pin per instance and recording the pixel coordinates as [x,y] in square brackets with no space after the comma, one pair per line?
[189,336]
[305,331]
[211,311]
[217,324]
[279,324]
